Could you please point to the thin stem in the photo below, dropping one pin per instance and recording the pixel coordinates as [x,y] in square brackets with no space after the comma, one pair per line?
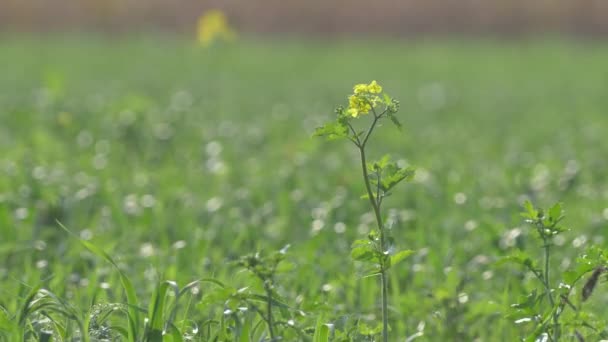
[546,273]
[547,248]
[376,207]
[384,280]
[369,131]
[356,140]
[269,311]
[555,315]
[370,194]
[379,180]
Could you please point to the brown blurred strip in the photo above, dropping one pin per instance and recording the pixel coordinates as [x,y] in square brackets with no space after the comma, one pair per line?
[319,17]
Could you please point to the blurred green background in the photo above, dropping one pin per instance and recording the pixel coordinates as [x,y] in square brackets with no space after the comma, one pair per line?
[177,156]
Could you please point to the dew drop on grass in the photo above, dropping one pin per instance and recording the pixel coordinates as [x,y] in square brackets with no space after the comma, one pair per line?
[39,173]
[100,161]
[86,234]
[21,213]
[559,240]
[579,241]
[84,139]
[463,298]
[214,204]
[460,198]
[523,320]
[470,225]
[148,201]
[40,245]
[130,205]
[317,225]
[163,131]
[179,244]
[213,149]
[146,250]
[605,214]
[296,195]
[340,227]
[25,191]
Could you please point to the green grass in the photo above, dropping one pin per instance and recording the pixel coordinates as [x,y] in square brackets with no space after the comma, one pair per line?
[177,160]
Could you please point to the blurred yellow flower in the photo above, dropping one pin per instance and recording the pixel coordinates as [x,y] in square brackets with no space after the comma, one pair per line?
[213,26]
[358,105]
[363,98]
[360,88]
[374,88]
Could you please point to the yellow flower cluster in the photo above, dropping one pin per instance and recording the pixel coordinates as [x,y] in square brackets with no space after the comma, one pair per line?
[364,98]
[212,26]
[372,88]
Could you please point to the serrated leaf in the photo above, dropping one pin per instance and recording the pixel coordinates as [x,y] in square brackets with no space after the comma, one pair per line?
[387,99]
[555,212]
[530,212]
[395,121]
[394,175]
[363,253]
[332,130]
[528,302]
[366,330]
[400,256]
[573,275]
[519,257]
[379,164]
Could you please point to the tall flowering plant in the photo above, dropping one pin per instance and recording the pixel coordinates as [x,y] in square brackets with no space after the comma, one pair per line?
[369,101]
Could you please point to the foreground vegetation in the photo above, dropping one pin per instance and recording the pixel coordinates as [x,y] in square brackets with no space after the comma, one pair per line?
[195,201]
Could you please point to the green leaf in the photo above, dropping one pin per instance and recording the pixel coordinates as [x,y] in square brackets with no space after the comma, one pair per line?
[366,330]
[530,212]
[156,310]
[217,295]
[555,212]
[395,121]
[132,312]
[387,99]
[519,257]
[528,302]
[394,175]
[363,253]
[172,334]
[321,331]
[400,256]
[332,130]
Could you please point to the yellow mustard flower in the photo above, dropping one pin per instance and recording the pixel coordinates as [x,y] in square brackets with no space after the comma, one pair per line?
[360,88]
[213,26]
[363,98]
[374,88]
[353,112]
[358,105]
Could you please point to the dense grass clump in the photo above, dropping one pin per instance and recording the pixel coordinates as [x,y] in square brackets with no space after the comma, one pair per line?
[181,173]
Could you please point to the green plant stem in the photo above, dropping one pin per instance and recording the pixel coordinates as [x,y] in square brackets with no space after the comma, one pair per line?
[269,311]
[376,207]
[555,315]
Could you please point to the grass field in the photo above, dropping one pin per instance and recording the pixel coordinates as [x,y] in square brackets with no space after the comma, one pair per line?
[177,160]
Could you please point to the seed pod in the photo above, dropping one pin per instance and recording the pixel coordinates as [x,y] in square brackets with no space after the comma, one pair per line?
[590,284]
